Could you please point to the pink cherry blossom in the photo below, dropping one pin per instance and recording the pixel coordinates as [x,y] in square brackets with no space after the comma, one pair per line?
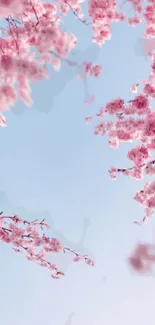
[134,88]
[138,155]
[143,258]
[29,238]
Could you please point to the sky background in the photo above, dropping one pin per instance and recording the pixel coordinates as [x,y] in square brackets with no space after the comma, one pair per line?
[53,166]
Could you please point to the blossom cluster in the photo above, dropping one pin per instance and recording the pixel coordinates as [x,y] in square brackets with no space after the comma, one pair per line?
[30,238]
[132,121]
[143,258]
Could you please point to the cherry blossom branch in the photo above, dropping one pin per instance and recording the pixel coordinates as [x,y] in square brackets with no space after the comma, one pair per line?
[84,21]
[126,171]
[27,236]
[35,13]
[10,23]
[79,257]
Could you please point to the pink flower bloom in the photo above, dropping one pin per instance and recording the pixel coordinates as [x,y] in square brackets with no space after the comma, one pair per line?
[2,121]
[141,104]
[138,155]
[143,258]
[149,90]
[115,106]
[149,127]
[134,21]
[88,119]
[100,129]
[134,88]
[113,172]
[77,259]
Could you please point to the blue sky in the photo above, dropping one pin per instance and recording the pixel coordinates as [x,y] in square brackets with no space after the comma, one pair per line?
[53,166]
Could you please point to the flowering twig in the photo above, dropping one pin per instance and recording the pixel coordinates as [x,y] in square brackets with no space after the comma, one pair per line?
[27,236]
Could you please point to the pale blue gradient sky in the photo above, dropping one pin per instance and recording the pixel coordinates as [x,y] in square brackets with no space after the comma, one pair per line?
[52,165]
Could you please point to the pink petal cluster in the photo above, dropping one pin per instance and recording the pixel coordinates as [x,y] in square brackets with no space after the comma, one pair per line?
[138,155]
[143,258]
[103,13]
[32,38]
[30,238]
[132,121]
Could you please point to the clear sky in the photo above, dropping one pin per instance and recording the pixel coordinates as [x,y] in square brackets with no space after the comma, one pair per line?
[53,166]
